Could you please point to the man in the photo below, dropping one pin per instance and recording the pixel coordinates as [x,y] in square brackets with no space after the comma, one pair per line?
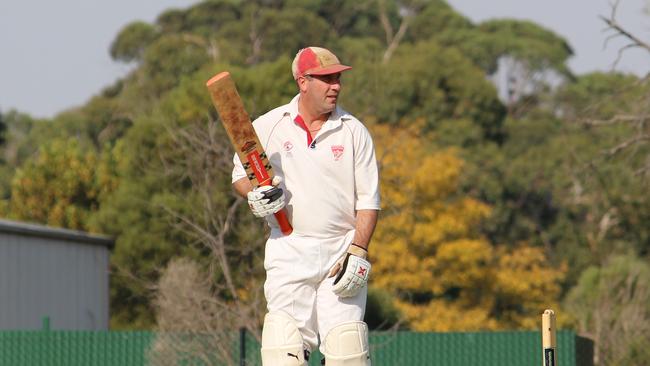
[326,173]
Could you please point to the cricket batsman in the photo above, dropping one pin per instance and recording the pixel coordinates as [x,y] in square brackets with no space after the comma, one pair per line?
[326,178]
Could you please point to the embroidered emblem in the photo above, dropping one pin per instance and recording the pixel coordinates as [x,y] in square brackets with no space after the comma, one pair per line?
[288,146]
[337,150]
[362,271]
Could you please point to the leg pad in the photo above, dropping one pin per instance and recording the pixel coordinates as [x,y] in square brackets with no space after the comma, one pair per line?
[282,343]
[347,345]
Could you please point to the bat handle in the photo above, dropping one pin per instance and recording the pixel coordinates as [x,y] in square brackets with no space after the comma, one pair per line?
[283,221]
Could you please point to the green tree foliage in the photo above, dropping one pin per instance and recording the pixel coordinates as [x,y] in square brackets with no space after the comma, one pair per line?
[3,129]
[175,170]
[5,169]
[612,306]
[554,182]
[618,167]
[486,43]
[19,142]
[60,186]
[132,40]
[360,20]
[430,82]
[528,42]
[438,18]
[170,58]
[15,150]
[599,95]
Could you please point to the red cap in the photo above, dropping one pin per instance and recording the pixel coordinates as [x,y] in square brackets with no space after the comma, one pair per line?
[316,61]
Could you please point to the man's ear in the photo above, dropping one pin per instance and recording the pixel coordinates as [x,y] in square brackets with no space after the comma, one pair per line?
[302,83]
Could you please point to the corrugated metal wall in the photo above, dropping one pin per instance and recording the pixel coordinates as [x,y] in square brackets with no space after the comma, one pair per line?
[55,273]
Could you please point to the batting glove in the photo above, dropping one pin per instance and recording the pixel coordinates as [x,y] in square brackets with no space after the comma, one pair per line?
[352,271]
[266,200]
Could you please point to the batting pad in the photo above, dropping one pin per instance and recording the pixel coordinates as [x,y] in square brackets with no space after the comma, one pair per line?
[282,343]
[347,345]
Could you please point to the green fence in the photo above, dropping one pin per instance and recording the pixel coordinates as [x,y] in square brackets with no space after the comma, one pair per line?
[82,348]
[73,348]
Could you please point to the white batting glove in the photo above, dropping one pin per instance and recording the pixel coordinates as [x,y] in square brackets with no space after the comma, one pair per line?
[266,200]
[352,271]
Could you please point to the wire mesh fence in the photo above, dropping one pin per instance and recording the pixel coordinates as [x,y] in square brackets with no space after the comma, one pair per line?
[121,348]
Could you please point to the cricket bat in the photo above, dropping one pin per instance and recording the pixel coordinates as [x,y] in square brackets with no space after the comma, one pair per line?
[242,135]
[548,338]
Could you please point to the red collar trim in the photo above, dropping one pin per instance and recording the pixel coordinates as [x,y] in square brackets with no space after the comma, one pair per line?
[301,122]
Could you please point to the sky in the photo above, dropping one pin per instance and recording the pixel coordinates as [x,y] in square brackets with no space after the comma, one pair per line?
[54,54]
[578,21]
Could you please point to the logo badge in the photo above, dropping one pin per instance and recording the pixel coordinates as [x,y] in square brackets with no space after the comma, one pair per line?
[362,272]
[337,151]
[248,146]
[287,146]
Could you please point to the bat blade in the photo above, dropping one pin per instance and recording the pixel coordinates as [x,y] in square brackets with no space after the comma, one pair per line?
[239,128]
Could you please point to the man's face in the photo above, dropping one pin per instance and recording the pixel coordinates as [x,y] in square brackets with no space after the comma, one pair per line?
[321,91]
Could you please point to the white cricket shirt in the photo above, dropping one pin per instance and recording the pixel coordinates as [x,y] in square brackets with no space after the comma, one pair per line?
[326,179]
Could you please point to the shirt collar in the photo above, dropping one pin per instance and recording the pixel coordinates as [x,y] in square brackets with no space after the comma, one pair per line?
[335,119]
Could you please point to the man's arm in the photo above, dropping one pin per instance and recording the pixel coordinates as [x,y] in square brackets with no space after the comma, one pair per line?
[242,186]
[366,222]
[352,269]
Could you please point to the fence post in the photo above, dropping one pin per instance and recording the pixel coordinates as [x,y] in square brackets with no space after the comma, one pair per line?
[45,323]
[242,346]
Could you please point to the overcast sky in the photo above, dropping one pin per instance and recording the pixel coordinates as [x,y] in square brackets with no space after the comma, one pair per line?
[54,54]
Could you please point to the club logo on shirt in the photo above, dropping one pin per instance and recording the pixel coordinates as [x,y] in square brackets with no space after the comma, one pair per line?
[337,150]
[287,146]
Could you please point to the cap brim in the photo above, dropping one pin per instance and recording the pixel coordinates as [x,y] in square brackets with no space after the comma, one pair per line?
[334,69]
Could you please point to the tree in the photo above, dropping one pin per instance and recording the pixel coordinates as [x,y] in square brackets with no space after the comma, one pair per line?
[609,109]
[524,59]
[170,58]
[616,29]
[175,199]
[61,186]
[3,129]
[4,169]
[538,48]
[17,147]
[130,43]
[194,322]
[638,116]
[437,18]
[617,296]
[434,83]
[444,274]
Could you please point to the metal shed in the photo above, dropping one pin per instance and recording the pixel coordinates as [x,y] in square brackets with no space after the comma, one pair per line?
[53,273]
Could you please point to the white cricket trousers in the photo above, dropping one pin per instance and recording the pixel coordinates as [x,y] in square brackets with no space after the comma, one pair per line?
[296,283]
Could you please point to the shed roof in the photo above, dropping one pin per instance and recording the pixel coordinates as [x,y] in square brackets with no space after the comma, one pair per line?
[28,229]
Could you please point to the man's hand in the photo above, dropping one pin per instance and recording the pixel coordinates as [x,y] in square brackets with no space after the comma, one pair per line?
[352,271]
[266,200]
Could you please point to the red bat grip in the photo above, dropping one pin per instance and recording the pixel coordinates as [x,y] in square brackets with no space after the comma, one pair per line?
[283,221]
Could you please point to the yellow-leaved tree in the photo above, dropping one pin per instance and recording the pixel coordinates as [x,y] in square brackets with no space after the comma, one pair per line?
[428,251]
[62,185]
